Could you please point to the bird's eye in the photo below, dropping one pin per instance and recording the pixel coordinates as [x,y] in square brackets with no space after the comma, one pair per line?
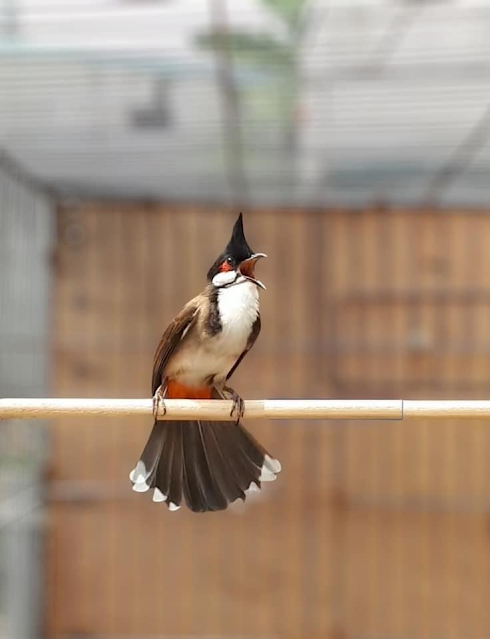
[230,261]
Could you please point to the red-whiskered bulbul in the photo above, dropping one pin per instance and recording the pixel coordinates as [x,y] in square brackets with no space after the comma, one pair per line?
[209,464]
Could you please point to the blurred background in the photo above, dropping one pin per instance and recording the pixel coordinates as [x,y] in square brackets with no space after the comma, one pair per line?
[354,135]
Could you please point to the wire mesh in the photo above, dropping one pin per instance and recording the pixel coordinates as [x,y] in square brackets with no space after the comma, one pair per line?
[26,225]
[298,103]
[300,109]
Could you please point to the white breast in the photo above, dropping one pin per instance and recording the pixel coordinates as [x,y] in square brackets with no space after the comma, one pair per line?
[239,308]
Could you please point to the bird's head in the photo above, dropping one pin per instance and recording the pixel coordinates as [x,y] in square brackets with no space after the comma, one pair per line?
[237,262]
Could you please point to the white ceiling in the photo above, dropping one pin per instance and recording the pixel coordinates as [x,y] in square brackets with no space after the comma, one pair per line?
[384,101]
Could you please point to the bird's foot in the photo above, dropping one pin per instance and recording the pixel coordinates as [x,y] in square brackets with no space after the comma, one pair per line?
[238,408]
[159,402]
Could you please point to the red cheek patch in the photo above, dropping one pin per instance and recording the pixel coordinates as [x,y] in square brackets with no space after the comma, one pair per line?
[224,267]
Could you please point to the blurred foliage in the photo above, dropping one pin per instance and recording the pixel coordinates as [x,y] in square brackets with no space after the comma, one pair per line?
[259,48]
[262,49]
[275,99]
[288,10]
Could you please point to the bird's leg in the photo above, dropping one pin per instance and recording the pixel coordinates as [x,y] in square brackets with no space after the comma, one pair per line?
[159,402]
[238,407]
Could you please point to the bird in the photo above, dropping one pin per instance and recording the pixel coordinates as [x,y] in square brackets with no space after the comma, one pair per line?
[208,465]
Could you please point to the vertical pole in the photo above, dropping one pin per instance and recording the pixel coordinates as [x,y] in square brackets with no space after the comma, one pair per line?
[10,24]
[232,133]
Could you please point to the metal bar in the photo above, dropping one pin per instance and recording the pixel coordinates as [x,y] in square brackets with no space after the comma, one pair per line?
[460,160]
[11,167]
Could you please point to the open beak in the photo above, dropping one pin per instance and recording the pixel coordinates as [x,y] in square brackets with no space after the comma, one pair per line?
[247,268]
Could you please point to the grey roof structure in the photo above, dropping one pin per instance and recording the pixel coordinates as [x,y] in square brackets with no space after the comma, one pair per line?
[342,102]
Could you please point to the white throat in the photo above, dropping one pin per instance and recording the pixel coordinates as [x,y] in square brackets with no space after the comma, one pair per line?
[239,307]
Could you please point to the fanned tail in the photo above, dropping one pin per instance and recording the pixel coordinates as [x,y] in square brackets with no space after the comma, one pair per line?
[209,464]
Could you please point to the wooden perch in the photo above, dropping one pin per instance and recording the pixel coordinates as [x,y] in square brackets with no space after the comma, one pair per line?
[188,409]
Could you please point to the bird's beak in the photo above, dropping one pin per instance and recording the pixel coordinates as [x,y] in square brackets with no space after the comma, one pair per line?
[247,268]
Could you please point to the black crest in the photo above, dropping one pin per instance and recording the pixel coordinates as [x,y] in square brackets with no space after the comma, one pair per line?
[237,248]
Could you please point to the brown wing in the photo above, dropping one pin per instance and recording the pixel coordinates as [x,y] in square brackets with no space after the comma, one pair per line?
[172,337]
[251,341]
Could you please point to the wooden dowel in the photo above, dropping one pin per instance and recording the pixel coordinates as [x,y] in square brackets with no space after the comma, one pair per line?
[189,409]
[444,409]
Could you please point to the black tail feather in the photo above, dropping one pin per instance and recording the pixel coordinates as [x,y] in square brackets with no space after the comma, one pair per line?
[211,488]
[201,490]
[210,464]
[220,464]
[193,490]
[174,498]
[229,438]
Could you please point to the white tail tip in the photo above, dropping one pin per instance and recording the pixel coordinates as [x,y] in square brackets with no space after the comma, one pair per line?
[139,474]
[274,465]
[158,496]
[253,488]
[141,487]
[266,475]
